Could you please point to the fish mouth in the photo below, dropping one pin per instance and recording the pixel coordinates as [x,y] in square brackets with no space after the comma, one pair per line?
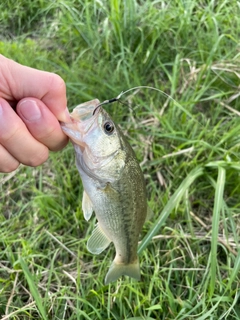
[82,119]
[86,110]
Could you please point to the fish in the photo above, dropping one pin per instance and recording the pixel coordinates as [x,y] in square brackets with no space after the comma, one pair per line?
[114,186]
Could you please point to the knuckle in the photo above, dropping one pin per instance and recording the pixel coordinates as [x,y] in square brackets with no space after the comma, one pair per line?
[60,145]
[37,159]
[7,136]
[53,138]
[46,134]
[57,83]
[9,166]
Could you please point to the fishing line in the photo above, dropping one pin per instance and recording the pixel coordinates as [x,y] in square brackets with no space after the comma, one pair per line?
[113,100]
[162,92]
[142,87]
[107,101]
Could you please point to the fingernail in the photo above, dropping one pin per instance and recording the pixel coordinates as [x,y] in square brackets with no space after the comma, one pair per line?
[29,110]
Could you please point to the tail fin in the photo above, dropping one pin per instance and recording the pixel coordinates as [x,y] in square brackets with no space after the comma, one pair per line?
[117,270]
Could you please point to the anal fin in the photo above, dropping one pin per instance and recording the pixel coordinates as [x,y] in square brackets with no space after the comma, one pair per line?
[98,241]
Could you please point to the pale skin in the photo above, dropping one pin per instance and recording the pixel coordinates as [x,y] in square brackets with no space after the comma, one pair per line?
[32,102]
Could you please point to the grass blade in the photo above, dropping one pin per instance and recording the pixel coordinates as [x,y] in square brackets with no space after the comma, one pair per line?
[235,271]
[33,289]
[172,203]
[218,205]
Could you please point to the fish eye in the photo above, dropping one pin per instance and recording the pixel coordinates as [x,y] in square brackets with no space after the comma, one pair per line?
[108,127]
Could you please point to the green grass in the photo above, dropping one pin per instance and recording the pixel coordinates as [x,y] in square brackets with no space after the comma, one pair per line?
[187,140]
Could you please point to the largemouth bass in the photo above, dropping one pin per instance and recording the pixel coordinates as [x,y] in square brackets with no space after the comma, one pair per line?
[114,186]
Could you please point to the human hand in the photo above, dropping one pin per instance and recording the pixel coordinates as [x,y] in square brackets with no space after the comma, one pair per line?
[27,135]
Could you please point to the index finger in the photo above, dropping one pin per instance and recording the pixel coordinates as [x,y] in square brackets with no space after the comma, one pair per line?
[18,81]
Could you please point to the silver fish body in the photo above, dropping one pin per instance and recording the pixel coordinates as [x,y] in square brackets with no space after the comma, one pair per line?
[114,186]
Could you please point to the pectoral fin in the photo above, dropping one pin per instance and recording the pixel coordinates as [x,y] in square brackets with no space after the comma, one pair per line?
[87,206]
[98,241]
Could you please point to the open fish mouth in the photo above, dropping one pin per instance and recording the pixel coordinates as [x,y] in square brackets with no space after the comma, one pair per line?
[83,118]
